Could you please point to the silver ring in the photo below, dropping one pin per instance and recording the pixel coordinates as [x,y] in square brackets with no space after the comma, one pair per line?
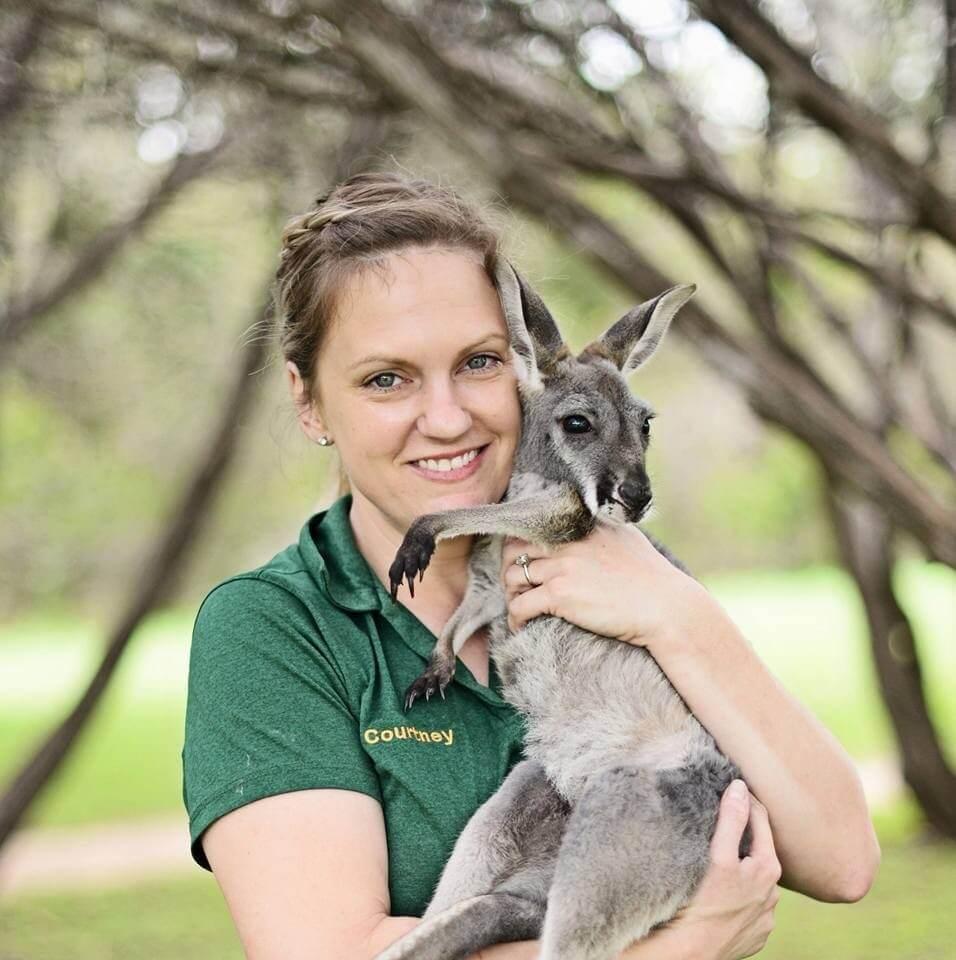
[523,561]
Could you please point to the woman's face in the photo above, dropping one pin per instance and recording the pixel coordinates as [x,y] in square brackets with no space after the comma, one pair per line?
[416,389]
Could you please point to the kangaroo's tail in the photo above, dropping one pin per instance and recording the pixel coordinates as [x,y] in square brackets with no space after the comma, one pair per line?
[468,926]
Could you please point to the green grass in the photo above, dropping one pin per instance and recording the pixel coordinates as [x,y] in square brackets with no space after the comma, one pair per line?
[807,626]
[907,915]
[177,919]
[126,765]
[810,629]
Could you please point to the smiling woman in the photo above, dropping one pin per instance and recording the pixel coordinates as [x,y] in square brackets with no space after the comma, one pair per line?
[324,815]
[437,402]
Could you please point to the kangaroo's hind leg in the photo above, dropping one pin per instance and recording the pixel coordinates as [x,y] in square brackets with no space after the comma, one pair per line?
[521,824]
[494,887]
[634,851]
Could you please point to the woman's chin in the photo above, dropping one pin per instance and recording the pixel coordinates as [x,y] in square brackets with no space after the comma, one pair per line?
[441,500]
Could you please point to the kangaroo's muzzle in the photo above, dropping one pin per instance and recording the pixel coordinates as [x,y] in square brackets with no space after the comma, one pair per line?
[634,494]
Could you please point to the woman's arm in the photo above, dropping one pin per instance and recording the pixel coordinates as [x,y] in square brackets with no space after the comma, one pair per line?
[615,583]
[821,823]
[305,875]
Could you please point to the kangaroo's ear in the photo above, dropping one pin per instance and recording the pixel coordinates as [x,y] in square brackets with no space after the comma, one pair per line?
[535,339]
[633,339]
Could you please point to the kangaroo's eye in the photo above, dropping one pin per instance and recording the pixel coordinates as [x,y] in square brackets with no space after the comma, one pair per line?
[576,424]
[646,427]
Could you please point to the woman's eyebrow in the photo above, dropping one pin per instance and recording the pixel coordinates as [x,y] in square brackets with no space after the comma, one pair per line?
[399,361]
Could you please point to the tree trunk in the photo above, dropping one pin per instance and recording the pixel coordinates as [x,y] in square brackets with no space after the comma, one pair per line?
[366,140]
[181,534]
[865,539]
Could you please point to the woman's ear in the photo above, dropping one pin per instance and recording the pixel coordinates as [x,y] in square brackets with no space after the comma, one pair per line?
[307,411]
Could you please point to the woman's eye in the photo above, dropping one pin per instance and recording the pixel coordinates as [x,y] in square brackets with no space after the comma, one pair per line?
[384,381]
[388,380]
[576,424]
[482,361]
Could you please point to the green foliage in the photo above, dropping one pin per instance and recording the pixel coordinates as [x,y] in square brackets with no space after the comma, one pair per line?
[769,502]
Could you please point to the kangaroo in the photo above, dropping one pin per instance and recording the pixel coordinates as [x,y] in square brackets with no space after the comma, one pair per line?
[603,831]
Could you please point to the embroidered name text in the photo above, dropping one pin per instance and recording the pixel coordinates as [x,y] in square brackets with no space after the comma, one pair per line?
[373,735]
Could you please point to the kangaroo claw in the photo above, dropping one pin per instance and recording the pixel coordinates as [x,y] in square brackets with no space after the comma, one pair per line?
[412,558]
[434,680]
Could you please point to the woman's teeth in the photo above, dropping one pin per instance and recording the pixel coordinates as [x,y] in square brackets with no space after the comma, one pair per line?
[442,466]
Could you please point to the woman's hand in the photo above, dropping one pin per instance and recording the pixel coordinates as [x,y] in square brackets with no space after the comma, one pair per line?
[731,914]
[613,583]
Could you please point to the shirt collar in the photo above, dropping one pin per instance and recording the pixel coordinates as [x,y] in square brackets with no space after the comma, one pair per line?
[328,548]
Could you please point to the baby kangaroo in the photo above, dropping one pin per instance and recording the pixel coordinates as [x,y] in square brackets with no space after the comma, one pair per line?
[603,832]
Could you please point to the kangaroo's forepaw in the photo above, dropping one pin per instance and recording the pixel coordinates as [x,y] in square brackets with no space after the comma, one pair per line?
[434,680]
[412,558]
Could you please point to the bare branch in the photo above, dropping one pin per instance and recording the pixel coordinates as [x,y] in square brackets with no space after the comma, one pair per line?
[298,88]
[28,309]
[649,176]
[949,59]
[23,44]
[851,120]
[417,74]
[865,537]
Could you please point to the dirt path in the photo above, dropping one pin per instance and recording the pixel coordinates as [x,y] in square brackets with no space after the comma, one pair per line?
[104,855]
[118,854]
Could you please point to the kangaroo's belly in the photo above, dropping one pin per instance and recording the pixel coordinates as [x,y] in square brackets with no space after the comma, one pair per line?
[590,703]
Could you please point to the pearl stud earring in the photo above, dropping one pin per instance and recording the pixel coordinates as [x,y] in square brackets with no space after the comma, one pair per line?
[324,442]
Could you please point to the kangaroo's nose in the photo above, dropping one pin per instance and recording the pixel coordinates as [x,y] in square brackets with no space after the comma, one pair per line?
[635,494]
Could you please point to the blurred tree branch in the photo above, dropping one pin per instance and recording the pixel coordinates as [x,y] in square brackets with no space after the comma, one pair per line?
[15,53]
[862,130]
[28,309]
[181,533]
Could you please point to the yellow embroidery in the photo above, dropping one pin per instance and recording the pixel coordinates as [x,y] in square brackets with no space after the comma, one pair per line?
[386,735]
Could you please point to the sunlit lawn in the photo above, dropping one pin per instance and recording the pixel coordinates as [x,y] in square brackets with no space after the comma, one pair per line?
[908,915]
[805,624]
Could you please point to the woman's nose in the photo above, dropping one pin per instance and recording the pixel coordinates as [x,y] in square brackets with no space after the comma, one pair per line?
[443,415]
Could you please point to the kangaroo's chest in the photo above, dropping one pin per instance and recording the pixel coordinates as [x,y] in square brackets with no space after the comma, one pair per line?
[590,702]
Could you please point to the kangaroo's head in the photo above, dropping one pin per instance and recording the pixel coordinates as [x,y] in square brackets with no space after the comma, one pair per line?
[581,424]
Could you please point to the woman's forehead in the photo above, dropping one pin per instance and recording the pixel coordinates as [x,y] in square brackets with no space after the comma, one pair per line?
[420,296]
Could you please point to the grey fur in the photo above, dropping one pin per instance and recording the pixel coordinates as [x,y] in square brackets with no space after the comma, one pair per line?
[603,832]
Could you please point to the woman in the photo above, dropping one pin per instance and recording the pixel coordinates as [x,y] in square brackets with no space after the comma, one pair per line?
[324,811]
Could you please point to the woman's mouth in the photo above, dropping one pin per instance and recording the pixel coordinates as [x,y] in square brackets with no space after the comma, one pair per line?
[447,469]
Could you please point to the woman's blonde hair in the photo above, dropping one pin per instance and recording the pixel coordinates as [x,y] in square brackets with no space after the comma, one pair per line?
[355,227]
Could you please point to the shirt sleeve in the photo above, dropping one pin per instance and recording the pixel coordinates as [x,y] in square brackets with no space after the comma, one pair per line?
[267,710]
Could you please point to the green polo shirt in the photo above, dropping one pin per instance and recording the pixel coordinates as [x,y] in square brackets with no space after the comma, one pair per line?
[296,677]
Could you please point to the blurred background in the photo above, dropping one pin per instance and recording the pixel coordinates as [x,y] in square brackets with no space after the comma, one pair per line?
[794,158]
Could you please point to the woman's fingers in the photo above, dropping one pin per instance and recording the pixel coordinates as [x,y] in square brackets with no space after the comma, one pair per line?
[762,838]
[540,567]
[762,848]
[734,904]
[511,548]
[735,809]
